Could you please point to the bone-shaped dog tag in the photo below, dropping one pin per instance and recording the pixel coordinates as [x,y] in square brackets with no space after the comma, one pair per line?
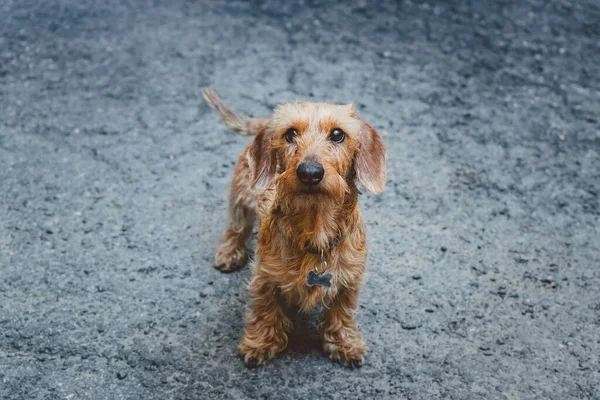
[316,279]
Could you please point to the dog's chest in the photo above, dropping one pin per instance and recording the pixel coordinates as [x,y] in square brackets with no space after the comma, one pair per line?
[306,279]
[307,283]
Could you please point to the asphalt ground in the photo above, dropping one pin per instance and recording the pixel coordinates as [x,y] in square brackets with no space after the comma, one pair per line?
[484,268]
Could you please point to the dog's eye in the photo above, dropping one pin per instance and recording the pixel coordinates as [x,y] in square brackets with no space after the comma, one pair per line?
[337,135]
[290,135]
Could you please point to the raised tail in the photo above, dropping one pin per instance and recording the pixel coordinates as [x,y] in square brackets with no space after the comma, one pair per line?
[239,123]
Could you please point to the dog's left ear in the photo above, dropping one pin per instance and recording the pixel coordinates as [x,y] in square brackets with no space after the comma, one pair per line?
[371,159]
[262,160]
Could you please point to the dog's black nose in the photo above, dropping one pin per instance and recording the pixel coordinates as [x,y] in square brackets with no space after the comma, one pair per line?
[310,173]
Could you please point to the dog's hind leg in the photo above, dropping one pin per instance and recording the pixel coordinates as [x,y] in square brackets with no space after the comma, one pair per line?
[232,253]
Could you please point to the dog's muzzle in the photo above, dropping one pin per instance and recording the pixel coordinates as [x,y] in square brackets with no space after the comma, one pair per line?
[310,173]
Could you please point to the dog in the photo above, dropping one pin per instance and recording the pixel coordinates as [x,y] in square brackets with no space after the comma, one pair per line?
[298,178]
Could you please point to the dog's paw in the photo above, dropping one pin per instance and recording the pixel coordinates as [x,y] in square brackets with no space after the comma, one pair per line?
[254,358]
[230,259]
[251,362]
[347,360]
[352,357]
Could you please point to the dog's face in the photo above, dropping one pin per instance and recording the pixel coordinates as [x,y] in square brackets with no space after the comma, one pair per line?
[318,149]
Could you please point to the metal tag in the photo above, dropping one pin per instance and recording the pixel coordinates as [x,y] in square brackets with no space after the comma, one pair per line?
[316,279]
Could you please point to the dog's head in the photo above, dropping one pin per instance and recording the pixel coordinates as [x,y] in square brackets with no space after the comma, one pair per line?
[319,150]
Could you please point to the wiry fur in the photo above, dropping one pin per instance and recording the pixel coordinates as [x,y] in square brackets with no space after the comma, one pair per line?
[293,221]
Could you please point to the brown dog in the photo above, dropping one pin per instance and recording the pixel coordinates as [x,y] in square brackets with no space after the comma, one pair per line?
[298,175]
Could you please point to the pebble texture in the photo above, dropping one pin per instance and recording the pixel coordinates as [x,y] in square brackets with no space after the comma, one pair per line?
[484,267]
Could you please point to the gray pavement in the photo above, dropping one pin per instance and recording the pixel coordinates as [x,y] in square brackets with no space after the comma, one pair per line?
[484,268]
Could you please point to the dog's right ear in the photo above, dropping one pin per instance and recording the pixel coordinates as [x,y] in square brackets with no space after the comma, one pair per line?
[371,159]
[262,160]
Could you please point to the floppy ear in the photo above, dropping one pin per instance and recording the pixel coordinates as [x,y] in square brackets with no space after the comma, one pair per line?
[262,161]
[370,160]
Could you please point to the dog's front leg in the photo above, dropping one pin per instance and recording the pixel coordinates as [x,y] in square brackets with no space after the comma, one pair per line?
[267,326]
[342,340]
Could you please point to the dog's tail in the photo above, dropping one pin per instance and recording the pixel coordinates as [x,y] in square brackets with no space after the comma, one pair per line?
[241,124]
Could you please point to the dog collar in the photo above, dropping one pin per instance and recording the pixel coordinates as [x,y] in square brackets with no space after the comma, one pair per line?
[332,244]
